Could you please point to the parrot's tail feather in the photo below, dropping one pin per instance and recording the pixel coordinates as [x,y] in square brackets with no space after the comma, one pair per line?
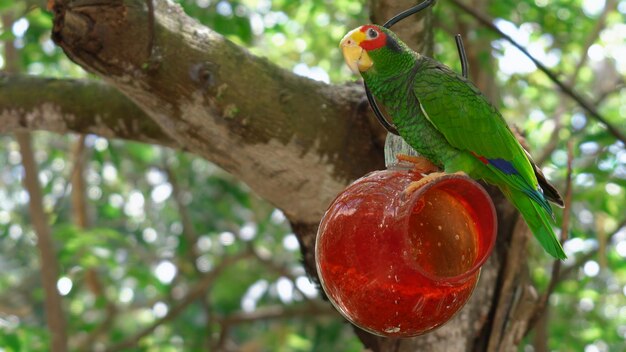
[537,196]
[539,199]
[516,182]
[538,220]
[549,191]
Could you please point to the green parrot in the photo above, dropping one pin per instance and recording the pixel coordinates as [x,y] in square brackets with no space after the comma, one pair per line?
[446,119]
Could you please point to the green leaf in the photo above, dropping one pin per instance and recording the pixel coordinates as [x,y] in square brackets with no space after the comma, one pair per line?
[11,341]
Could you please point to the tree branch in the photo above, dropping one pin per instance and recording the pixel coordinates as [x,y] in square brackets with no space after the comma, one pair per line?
[45,244]
[566,272]
[67,105]
[297,136]
[571,80]
[541,307]
[94,284]
[600,24]
[194,294]
[593,112]
[513,278]
[278,269]
[190,236]
[269,313]
[79,201]
[81,220]
[189,231]
[48,262]
[280,312]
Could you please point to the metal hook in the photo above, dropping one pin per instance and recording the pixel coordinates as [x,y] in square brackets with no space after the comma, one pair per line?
[379,115]
[462,56]
[395,19]
[406,13]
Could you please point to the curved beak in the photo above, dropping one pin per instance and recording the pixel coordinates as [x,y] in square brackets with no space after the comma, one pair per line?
[355,56]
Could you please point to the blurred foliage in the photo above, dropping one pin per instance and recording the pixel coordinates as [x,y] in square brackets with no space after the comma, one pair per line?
[143,251]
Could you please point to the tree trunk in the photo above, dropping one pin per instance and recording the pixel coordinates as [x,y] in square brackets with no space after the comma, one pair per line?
[294,141]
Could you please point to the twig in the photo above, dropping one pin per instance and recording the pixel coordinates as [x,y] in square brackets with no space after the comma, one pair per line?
[151,27]
[279,312]
[591,38]
[609,6]
[554,140]
[194,294]
[21,311]
[48,260]
[511,274]
[567,212]
[79,205]
[566,272]
[620,83]
[542,304]
[77,181]
[279,269]
[269,313]
[49,264]
[189,231]
[210,321]
[600,221]
[191,237]
[488,23]
[94,284]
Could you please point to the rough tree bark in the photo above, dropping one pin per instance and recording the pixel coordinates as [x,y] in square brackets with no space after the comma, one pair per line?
[294,141]
[80,106]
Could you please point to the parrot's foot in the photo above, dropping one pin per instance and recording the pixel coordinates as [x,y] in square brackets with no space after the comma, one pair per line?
[420,164]
[414,186]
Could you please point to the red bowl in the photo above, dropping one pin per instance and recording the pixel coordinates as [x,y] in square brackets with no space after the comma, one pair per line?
[398,263]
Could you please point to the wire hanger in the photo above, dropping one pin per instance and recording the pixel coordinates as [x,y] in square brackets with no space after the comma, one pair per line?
[395,19]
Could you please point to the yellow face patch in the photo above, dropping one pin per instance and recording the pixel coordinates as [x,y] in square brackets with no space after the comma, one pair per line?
[356,58]
[356,35]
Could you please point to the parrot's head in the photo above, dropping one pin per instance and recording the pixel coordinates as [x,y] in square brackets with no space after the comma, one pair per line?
[369,45]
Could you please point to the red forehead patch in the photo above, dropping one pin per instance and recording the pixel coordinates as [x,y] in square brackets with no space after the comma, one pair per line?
[374,38]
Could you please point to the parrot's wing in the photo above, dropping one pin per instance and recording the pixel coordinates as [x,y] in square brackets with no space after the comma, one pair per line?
[458,110]
[462,114]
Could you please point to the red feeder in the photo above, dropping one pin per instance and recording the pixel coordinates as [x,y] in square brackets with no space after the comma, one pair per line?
[398,264]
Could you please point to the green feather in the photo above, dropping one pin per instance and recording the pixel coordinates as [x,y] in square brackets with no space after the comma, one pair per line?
[538,221]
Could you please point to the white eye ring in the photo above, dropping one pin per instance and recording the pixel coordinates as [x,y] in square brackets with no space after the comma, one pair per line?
[372,33]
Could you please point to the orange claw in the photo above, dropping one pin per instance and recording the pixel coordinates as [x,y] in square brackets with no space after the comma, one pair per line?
[414,186]
[420,164]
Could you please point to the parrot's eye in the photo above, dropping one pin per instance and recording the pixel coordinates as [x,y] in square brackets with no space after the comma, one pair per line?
[372,33]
